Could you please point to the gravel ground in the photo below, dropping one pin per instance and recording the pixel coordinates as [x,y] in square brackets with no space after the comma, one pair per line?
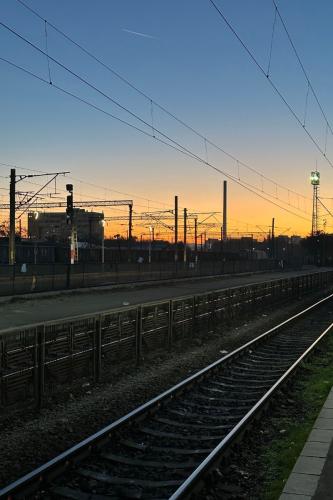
[251,473]
[29,440]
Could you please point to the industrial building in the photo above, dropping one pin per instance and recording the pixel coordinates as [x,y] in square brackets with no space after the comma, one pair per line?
[52,226]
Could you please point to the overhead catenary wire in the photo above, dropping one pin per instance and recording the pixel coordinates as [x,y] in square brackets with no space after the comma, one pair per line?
[19,167]
[180,149]
[268,78]
[175,145]
[315,95]
[155,103]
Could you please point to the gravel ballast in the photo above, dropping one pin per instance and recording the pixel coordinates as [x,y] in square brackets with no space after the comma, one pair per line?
[29,439]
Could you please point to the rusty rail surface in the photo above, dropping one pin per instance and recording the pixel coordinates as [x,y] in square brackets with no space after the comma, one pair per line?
[36,360]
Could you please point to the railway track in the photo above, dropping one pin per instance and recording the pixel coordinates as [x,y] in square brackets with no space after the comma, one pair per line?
[164,448]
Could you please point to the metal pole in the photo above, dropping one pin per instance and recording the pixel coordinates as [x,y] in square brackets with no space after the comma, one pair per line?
[103,241]
[130,219]
[149,248]
[273,239]
[224,211]
[221,239]
[176,228]
[185,234]
[11,246]
[196,239]
[130,227]
[72,244]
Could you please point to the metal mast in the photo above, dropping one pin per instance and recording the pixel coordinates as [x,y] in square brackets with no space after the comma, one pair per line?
[315,181]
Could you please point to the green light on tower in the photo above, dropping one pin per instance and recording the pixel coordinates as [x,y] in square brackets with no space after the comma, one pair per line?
[315,178]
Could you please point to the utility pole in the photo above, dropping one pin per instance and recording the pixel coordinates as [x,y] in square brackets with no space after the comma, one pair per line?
[196,239]
[150,241]
[185,234]
[70,220]
[221,248]
[103,248]
[224,231]
[130,227]
[11,246]
[176,228]
[273,239]
[130,220]
[24,205]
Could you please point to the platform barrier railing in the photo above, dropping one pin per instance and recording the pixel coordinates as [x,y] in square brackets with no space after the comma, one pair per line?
[37,360]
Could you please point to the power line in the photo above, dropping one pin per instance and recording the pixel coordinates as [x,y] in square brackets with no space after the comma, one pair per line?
[183,151]
[176,145]
[11,165]
[267,76]
[324,206]
[155,103]
[302,66]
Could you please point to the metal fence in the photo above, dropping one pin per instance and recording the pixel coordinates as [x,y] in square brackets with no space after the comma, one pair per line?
[36,360]
[27,278]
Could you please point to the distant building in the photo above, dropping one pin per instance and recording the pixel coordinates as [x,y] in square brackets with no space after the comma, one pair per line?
[52,226]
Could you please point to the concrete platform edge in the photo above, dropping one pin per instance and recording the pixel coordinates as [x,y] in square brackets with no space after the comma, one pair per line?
[307,473]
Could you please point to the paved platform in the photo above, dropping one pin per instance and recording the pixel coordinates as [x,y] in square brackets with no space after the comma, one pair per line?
[48,306]
[312,475]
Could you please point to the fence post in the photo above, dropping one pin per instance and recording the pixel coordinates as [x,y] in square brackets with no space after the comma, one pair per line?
[170,323]
[138,334]
[41,365]
[98,348]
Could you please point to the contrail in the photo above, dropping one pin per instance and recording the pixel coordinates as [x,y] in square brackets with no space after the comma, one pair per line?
[138,34]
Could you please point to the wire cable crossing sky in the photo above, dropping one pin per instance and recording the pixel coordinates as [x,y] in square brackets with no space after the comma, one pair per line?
[240,114]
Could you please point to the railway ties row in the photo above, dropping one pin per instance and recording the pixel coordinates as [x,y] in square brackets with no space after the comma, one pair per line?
[158,448]
[153,457]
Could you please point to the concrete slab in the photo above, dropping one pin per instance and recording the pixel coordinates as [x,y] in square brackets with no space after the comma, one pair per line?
[311,477]
[291,496]
[322,436]
[323,423]
[309,465]
[315,449]
[328,405]
[324,489]
[301,484]
[326,412]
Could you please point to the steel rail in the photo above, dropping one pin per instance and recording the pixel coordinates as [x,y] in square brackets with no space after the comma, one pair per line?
[215,456]
[41,476]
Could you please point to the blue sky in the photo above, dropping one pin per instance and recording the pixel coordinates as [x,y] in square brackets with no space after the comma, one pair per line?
[190,63]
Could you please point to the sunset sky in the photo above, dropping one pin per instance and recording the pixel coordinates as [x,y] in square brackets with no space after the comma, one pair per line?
[181,54]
